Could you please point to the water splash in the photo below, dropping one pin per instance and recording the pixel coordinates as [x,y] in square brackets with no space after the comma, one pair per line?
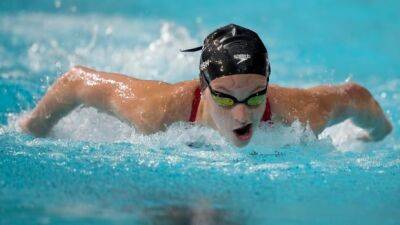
[89,124]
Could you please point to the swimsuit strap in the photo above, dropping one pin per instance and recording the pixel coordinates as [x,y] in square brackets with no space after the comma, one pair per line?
[267,113]
[196,101]
[195,104]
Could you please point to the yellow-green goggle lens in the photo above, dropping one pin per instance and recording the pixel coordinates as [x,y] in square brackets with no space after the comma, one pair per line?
[256,100]
[222,101]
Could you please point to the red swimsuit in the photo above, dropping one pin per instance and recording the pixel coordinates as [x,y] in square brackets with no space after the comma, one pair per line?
[196,101]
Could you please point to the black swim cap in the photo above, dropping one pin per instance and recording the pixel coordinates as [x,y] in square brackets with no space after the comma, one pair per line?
[229,50]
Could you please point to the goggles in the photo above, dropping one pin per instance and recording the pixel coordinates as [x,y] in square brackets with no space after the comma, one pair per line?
[226,100]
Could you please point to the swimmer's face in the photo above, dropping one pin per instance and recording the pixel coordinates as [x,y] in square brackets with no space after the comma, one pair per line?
[237,122]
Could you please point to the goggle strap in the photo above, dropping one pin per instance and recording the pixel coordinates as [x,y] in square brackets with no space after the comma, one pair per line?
[192,49]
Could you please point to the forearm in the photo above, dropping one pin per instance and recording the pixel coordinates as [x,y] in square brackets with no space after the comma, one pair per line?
[59,100]
[371,118]
[366,113]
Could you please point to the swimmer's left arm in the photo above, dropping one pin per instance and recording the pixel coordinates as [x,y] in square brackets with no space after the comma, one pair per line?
[326,105]
[357,103]
[351,101]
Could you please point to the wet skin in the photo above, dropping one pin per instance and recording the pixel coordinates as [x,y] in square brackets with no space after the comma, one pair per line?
[151,106]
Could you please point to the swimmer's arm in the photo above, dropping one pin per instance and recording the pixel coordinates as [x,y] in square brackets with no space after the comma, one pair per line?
[326,105]
[58,101]
[78,86]
[356,103]
[148,105]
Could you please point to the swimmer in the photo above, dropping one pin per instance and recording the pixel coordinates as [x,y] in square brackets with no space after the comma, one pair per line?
[232,95]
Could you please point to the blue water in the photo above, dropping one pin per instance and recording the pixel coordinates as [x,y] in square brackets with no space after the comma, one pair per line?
[96,169]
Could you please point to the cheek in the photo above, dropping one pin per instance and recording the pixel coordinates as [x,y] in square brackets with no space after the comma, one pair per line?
[222,116]
[260,111]
[257,113]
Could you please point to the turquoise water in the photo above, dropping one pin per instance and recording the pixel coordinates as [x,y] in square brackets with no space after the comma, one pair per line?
[96,169]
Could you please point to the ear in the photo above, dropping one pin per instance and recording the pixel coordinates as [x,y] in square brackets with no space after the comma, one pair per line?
[269,69]
[203,84]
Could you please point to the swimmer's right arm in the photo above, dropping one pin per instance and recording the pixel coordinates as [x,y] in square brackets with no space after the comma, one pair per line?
[63,96]
[78,86]
[148,105]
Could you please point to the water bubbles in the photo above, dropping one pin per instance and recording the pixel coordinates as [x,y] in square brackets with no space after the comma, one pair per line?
[54,43]
[34,61]
[199,19]
[58,64]
[349,78]
[73,9]
[344,136]
[109,30]
[57,4]
[88,124]
[34,48]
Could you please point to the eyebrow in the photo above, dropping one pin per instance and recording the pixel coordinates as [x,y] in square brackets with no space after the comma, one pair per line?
[253,91]
[223,89]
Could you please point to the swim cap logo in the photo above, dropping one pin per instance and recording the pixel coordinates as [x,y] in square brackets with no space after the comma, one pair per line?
[205,64]
[241,57]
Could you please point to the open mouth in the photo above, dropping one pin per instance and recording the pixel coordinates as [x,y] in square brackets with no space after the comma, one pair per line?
[244,133]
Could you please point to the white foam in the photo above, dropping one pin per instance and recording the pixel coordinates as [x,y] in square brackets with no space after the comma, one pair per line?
[345,136]
[88,124]
[111,44]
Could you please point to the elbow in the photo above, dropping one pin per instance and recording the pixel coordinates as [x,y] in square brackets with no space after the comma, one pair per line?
[382,131]
[367,113]
[72,75]
[356,91]
[73,80]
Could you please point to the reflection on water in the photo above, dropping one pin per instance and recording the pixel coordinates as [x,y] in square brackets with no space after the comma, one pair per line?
[200,214]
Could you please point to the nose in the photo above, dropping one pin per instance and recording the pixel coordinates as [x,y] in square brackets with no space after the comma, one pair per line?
[241,114]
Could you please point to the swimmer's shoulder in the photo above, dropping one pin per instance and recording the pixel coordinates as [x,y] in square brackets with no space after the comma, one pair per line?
[86,72]
[284,100]
[279,93]
[186,87]
[181,97]
[183,92]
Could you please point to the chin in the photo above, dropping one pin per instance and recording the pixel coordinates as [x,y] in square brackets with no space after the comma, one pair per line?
[239,143]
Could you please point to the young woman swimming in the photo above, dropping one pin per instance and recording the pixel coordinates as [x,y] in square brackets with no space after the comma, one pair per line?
[232,96]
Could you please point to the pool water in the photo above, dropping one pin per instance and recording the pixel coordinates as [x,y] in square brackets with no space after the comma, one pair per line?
[94,169]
